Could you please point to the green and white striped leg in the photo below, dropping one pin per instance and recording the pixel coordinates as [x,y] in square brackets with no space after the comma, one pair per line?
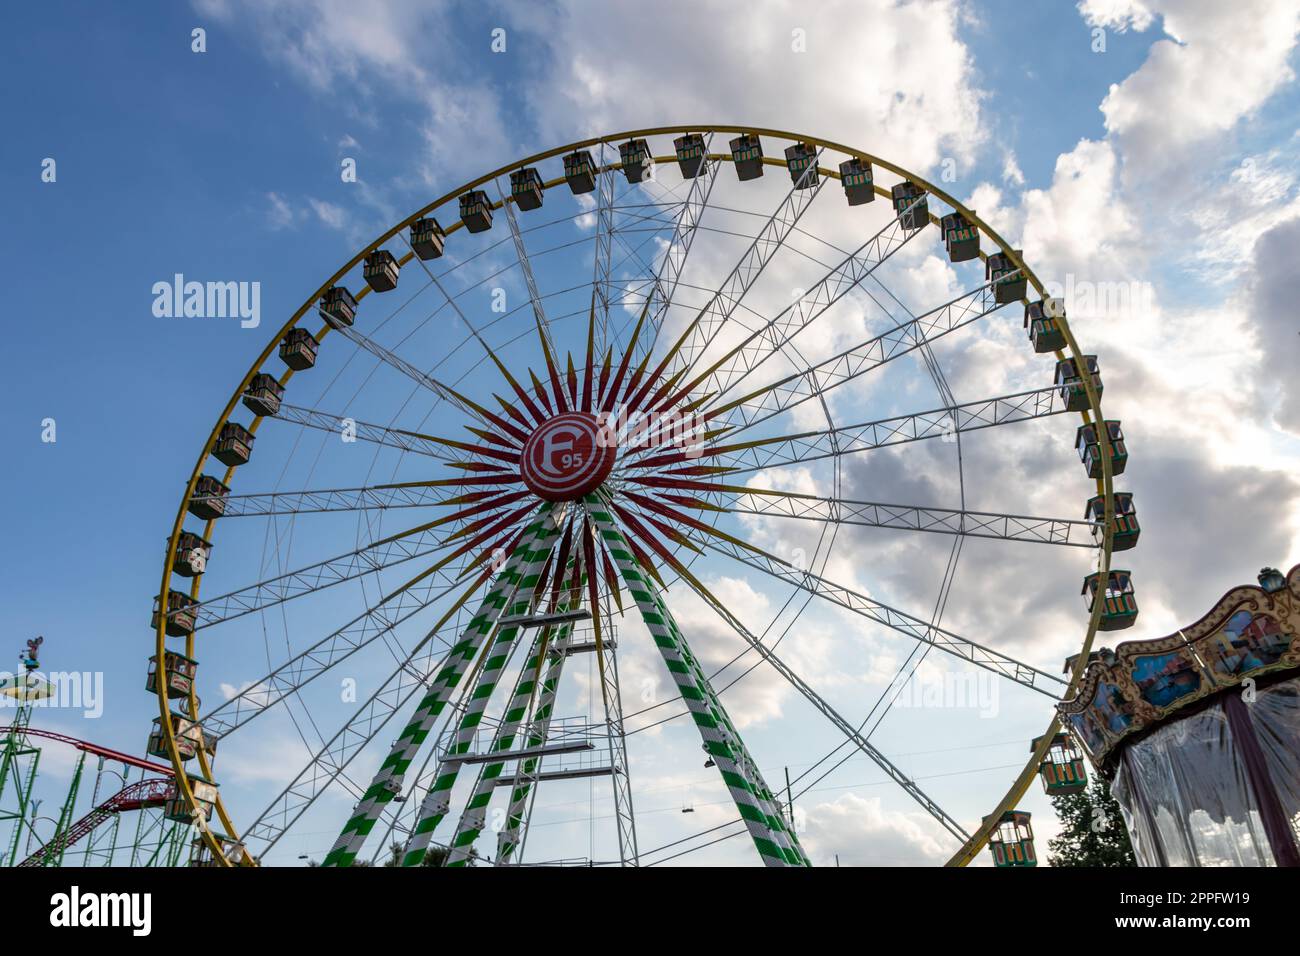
[508,840]
[436,803]
[524,563]
[720,742]
[474,816]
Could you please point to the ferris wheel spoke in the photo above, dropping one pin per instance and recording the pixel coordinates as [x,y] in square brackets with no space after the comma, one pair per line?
[380,619]
[604,246]
[664,286]
[331,760]
[770,338]
[414,494]
[418,542]
[443,392]
[699,334]
[850,732]
[908,625]
[522,569]
[762,404]
[872,514]
[526,267]
[942,423]
[444,449]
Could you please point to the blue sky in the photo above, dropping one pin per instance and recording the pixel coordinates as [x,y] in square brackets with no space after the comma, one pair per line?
[1115,167]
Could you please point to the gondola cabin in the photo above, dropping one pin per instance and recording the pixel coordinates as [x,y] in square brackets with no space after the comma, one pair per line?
[298,349]
[208,502]
[208,742]
[476,211]
[1061,770]
[1089,449]
[911,205]
[201,854]
[960,237]
[205,798]
[192,553]
[580,171]
[187,734]
[801,158]
[1119,606]
[855,177]
[338,306]
[747,157]
[181,616]
[178,674]
[427,239]
[1012,841]
[638,164]
[1126,520]
[1070,386]
[380,271]
[263,395]
[526,188]
[234,444]
[1042,324]
[1008,279]
[690,154]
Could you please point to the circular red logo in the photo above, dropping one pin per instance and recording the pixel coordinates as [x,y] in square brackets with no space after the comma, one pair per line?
[566,457]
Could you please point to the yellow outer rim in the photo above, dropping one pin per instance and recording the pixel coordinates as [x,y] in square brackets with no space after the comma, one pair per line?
[1104,484]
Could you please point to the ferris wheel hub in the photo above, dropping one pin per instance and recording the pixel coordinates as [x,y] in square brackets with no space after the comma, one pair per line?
[567,457]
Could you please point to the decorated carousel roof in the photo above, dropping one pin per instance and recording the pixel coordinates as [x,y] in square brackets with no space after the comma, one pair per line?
[1247,635]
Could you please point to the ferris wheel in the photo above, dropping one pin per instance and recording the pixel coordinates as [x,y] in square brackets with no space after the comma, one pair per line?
[505,445]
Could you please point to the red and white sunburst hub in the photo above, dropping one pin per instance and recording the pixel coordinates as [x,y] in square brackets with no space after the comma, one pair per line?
[567,457]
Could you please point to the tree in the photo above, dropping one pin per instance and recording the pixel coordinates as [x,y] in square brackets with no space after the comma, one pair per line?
[1092,830]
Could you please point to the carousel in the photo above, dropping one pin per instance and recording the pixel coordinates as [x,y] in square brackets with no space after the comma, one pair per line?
[1198,732]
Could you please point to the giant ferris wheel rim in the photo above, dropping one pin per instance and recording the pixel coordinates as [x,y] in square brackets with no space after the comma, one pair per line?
[1092,413]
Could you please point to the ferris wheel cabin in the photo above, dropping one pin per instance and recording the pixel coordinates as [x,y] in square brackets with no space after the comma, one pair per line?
[855,177]
[427,239]
[1126,531]
[1062,769]
[178,674]
[911,205]
[181,616]
[580,171]
[1088,446]
[263,395]
[960,237]
[205,797]
[1012,843]
[208,502]
[234,445]
[747,157]
[338,306]
[526,188]
[1119,608]
[380,271]
[1042,325]
[1008,280]
[798,158]
[298,349]
[690,154]
[187,734]
[476,211]
[1070,385]
[192,553]
[638,162]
